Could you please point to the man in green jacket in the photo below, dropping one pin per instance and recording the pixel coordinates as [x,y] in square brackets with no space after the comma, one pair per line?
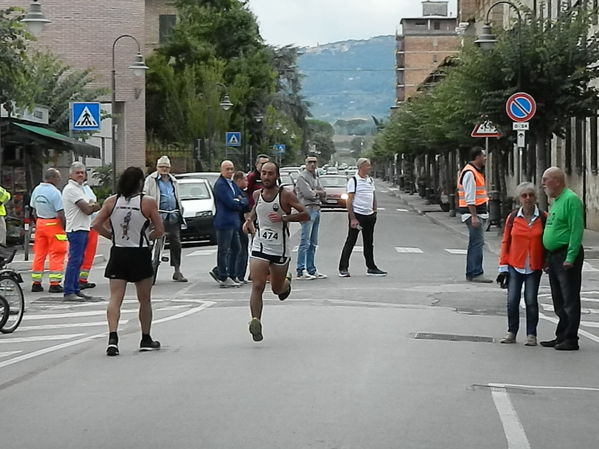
[4,197]
[562,240]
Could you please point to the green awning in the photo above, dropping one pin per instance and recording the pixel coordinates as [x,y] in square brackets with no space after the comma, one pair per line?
[57,141]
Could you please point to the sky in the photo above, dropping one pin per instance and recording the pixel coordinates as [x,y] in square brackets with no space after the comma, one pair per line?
[312,22]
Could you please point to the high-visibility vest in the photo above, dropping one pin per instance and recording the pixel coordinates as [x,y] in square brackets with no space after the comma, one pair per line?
[481,197]
[4,197]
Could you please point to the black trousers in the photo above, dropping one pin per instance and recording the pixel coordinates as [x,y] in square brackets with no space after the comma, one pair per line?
[173,231]
[367,223]
[565,291]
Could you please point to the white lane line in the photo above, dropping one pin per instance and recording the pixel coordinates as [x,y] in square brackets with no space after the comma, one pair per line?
[400,249]
[171,308]
[588,299]
[202,252]
[403,210]
[50,349]
[51,316]
[67,326]
[394,189]
[550,308]
[582,332]
[589,324]
[38,338]
[512,427]
[9,353]
[545,387]
[588,267]
[456,251]
[380,208]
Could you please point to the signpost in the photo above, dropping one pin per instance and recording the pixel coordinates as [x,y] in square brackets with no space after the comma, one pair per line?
[485,129]
[521,107]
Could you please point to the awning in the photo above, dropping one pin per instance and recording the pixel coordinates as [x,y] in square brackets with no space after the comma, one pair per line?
[56,141]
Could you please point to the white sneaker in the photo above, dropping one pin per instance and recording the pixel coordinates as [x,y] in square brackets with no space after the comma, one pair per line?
[318,275]
[305,276]
[227,283]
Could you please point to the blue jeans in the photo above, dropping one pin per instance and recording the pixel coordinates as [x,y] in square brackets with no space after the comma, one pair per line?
[308,242]
[476,242]
[228,251]
[531,289]
[77,244]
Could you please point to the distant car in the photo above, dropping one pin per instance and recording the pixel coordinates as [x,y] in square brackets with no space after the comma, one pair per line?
[197,200]
[287,181]
[332,171]
[336,188]
[209,176]
[292,170]
[350,172]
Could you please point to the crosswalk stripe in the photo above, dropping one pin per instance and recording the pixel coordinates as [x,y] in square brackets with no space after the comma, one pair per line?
[400,249]
[39,338]
[456,251]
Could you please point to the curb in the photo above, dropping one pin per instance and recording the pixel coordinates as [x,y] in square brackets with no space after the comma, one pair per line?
[24,266]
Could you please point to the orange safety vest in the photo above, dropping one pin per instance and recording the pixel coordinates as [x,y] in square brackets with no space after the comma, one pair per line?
[481,198]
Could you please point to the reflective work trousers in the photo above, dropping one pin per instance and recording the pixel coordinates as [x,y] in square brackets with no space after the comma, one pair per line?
[50,239]
[90,254]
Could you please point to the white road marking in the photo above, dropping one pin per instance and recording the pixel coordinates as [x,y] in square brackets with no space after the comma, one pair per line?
[512,427]
[171,308]
[589,324]
[400,249]
[588,299]
[544,387]
[39,338]
[550,308]
[9,353]
[202,252]
[51,316]
[588,267]
[582,332]
[456,251]
[403,210]
[67,326]
[380,208]
[393,189]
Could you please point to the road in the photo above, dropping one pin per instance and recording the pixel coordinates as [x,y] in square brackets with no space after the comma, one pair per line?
[411,360]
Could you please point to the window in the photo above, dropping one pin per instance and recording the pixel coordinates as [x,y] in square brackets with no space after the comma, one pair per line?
[436,25]
[593,121]
[166,24]
[435,57]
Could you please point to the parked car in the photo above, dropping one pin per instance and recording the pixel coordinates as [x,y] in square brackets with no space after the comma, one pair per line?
[211,177]
[287,181]
[332,171]
[290,170]
[199,208]
[336,188]
[350,172]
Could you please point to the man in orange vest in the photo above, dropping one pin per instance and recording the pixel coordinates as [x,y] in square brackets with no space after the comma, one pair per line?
[50,238]
[473,199]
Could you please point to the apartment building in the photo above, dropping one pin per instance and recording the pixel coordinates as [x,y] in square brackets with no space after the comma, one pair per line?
[423,43]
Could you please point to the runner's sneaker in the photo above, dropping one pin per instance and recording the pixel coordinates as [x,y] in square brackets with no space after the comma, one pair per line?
[285,295]
[318,275]
[344,274]
[256,329]
[306,276]
[149,345]
[112,350]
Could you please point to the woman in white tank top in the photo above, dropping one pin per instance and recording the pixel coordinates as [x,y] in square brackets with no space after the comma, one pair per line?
[125,218]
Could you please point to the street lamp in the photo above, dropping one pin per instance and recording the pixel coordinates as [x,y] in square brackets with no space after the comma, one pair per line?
[487,40]
[35,19]
[139,68]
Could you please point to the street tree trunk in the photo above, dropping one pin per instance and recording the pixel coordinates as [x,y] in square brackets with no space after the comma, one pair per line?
[541,167]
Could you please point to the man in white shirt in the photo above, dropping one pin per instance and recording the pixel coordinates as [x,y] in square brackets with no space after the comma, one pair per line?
[361,209]
[78,208]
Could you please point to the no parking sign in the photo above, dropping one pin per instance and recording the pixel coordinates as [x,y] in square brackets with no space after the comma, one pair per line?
[521,107]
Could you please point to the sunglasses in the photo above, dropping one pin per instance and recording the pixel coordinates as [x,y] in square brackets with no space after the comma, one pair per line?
[527,195]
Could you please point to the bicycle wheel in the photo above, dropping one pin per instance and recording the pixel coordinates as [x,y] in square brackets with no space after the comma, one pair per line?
[4,311]
[156,252]
[11,290]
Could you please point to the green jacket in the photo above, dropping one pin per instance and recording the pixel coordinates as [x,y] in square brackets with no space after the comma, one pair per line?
[4,197]
[565,224]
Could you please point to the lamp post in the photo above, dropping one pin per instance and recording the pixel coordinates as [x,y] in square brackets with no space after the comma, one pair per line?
[225,104]
[35,19]
[139,68]
[487,40]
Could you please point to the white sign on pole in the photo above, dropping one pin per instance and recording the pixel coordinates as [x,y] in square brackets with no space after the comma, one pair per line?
[521,141]
[520,126]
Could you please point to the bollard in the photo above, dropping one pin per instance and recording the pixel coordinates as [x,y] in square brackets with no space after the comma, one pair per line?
[451,197]
[494,208]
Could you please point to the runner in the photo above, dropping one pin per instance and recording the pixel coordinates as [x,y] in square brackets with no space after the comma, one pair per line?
[125,219]
[270,248]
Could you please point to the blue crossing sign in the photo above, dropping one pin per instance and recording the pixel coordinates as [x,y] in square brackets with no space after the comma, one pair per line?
[521,107]
[279,148]
[233,139]
[85,116]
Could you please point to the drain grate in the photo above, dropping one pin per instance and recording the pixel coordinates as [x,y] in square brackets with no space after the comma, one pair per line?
[452,337]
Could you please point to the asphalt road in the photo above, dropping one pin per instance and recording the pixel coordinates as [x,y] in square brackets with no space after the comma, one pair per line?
[406,361]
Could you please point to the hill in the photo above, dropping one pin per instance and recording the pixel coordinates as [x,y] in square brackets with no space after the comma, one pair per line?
[350,79]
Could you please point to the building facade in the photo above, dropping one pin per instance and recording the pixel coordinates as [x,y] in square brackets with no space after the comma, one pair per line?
[423,43]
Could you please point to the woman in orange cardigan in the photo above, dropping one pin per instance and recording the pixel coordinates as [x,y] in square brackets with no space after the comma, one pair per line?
[521,260]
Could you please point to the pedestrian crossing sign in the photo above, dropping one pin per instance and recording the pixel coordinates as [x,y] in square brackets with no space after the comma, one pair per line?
[85,116]
[233,139]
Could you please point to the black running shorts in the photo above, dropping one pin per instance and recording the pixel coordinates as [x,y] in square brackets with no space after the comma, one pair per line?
[276,260]
[129,264]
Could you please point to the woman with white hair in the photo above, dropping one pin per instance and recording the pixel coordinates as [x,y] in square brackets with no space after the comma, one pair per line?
[521,262]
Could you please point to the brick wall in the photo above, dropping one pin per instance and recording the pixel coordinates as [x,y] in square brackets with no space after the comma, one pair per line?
[82,33]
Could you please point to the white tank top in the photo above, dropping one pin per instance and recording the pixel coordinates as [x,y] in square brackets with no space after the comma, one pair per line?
[271,238]
[129,224]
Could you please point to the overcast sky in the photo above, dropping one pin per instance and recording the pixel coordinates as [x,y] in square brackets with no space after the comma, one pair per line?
[311,22]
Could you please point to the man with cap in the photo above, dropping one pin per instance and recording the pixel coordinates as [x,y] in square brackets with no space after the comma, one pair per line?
[310,193]
[163,187]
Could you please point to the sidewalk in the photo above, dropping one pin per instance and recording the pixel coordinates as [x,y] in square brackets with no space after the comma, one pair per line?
[21,265]
[492,237]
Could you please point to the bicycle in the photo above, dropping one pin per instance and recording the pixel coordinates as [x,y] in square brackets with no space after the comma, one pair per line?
[4,311]
[11,292]
[158,246]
